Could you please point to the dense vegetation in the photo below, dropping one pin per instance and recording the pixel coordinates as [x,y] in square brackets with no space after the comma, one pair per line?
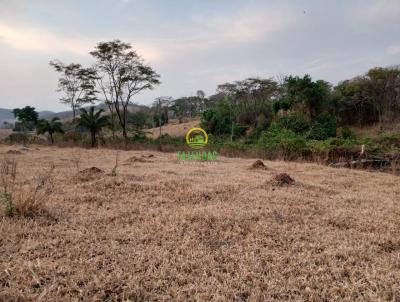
[305,115]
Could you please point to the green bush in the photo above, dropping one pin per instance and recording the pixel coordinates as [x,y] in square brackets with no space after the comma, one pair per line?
[324,127]
[18,138]
[389,139]
[294,122]
[347,133]
[170,140]
[283,104]
[282,140]
[217,120]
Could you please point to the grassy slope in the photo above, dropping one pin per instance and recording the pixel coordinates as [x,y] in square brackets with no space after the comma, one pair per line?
[163,231]
[174,128]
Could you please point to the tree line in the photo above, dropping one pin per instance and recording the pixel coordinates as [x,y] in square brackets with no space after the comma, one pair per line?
[244,108]
[301,104]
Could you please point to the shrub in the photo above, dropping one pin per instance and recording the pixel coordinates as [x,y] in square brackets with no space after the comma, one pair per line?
[217,120]
[389,139]
[282,140]
[169,140]
[19,138]
[323,127]
[294,122]
[22,138]
[347,133]
[282,104]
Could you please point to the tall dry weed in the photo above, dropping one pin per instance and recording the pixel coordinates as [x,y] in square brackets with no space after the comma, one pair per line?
[114,170]
[21,199]
[8,174]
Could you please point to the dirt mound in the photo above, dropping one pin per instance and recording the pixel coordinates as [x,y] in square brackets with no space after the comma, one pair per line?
[92,170]
[282,179]
[135,159]
[258,164]
[13,152]
[90,174]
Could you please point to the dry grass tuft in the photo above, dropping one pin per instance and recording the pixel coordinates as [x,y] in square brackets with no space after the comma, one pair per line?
[282,179]
[25,199]
[31,199]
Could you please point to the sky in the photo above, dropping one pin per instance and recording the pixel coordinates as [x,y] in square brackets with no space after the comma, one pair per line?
[194,44]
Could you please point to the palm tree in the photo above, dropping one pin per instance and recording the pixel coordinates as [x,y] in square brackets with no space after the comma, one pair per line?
[93,121]
[50,127]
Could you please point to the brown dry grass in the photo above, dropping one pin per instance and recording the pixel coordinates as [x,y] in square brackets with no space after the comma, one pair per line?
[4,133]
[164,231]
[173,128]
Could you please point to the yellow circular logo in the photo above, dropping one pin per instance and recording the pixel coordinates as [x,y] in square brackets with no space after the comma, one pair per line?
[196,138]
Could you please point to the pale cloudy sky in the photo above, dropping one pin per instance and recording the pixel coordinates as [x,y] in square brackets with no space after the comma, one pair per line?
[194,44]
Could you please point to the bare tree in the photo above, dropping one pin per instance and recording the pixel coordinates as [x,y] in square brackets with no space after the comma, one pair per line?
[77,83]
[161,105]
[124,74]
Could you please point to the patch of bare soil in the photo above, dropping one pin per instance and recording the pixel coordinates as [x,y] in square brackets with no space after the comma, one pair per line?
[282,179]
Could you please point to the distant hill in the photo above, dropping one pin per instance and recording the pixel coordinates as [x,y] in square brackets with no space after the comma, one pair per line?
[6,115]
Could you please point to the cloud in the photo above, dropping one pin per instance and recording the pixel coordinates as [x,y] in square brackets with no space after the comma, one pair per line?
[39,39]
[319,65]
[393,49]
[42,40]
[248,25]
[379,10]
[244,26]
[209,32]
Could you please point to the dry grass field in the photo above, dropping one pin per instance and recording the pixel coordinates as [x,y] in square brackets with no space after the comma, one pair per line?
[173,128]
[164,231]
[4,133]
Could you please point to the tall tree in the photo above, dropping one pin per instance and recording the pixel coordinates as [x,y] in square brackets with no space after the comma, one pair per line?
[200,94]
[124,74]
[93,121]
[50,127]
[27,117]
[307,93]
[248,99]
[77,84]
[382,88]
[161,106]
[108,99]
[180,108]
